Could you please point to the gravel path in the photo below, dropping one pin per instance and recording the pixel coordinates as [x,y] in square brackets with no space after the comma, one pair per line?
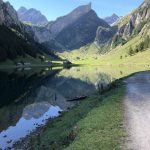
[137,111]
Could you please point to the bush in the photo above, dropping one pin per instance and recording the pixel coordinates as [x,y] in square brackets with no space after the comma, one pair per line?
[130,51]
[138,29]
[147,42]
[141,47]
[118,40]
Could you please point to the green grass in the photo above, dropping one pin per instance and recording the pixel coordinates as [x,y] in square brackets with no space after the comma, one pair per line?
[102,127]
[112,57]
[95,123]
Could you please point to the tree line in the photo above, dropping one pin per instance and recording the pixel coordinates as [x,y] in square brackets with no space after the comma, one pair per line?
[13,45]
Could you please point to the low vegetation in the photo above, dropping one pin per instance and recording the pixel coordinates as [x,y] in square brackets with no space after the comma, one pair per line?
[134,52]
[103,126]
[142,46]
[94,124]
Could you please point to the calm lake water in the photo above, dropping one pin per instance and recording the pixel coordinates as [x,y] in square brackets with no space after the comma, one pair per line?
[28,98]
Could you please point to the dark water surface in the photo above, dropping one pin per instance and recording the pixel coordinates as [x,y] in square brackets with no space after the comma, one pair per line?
[28,98]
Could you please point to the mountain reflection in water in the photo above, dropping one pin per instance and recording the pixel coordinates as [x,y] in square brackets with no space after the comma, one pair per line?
[28,98]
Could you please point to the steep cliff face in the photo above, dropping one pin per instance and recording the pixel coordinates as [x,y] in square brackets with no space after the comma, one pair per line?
[133,23]
[32,16]
[40,34]
[104,35]
[8,15]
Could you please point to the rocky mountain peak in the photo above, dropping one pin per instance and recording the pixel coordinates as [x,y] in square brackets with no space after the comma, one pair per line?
[82,9]
[86,7]
[112,19]
[90,5]
[8,15]
[114,15]
[22,10]
[62,22]
[32,16]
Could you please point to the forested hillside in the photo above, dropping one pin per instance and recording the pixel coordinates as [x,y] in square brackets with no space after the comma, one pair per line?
[14,41]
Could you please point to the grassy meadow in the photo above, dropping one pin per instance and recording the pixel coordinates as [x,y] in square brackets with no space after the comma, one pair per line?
[91,55]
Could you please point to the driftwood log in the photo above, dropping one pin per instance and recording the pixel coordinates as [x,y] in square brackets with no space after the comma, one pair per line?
[77,98]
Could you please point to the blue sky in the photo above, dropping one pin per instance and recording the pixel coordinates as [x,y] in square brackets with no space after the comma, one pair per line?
[56,8]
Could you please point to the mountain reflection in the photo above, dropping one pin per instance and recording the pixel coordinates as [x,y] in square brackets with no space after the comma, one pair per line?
[35,110]
[29,98]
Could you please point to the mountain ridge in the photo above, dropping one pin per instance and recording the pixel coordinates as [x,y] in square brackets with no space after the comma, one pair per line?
[32,16]
[70,31]
[82,27]
[14,41]
[8,16]
[112,19]
[62,22]
[133,23]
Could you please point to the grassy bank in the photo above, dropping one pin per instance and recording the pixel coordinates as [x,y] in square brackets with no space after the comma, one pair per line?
[95,123]
[102,127]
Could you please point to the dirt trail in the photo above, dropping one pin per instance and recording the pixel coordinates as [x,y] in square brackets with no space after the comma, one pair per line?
[137,111]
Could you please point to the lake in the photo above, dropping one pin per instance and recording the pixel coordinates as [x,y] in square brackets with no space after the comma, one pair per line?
[28,98]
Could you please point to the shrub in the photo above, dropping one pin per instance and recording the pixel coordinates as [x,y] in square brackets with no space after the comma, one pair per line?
[141,46]
[130,51]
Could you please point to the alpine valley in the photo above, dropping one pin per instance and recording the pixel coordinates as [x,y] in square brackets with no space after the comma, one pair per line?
[79,82]
[80,36]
